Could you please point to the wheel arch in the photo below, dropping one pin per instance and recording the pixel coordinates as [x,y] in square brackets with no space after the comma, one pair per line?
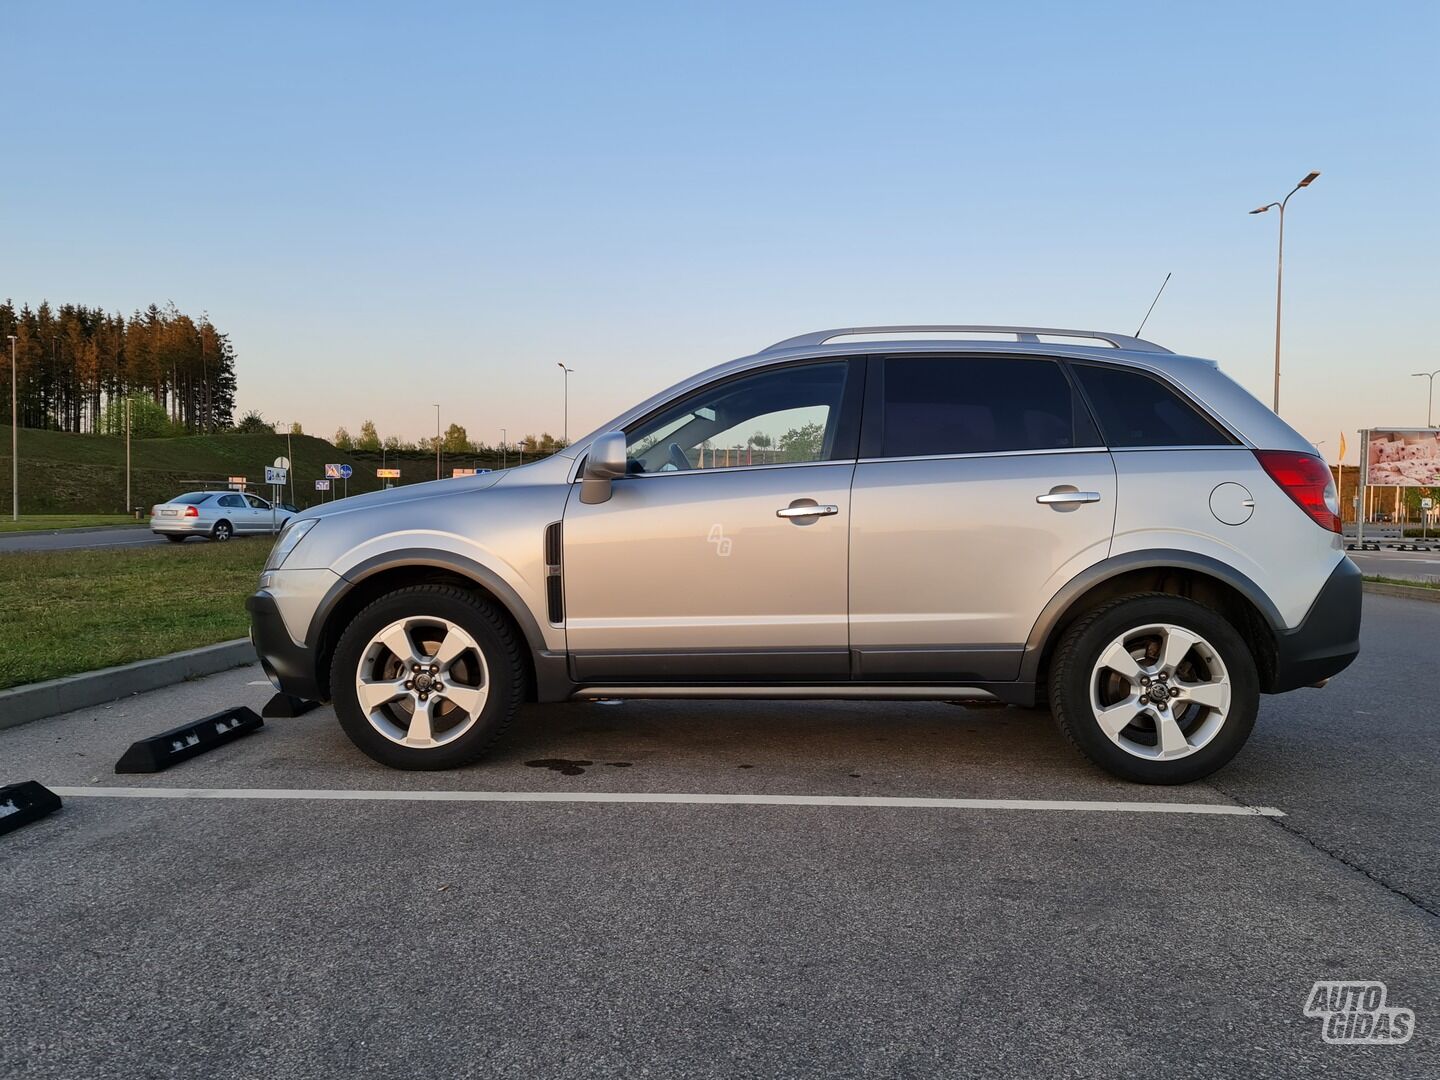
[375,577]
[1179,573]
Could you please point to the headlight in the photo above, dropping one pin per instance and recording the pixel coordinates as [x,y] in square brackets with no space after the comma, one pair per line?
[288,541]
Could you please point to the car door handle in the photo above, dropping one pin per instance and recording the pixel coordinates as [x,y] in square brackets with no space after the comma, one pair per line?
[812,510]
[1053,498]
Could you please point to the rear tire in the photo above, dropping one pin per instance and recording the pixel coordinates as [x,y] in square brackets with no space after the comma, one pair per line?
[1154,688]
[445,703]
[221,532]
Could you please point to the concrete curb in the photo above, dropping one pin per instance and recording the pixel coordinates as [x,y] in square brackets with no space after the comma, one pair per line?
[21,704]
[1410,592]
[81,529]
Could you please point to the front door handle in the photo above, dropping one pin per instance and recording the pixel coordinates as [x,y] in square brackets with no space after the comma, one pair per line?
[1060,497]
[808,510]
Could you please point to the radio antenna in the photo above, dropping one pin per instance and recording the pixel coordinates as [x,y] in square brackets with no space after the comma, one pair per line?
[1152,306]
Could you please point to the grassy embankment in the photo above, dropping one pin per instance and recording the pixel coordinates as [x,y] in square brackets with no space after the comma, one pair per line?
[62,473]
[63,612]
[57,522]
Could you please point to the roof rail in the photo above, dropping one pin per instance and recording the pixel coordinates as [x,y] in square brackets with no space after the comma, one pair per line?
[1022,334]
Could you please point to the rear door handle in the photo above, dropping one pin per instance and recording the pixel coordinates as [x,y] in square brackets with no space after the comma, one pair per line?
[1063,497]
[813,510]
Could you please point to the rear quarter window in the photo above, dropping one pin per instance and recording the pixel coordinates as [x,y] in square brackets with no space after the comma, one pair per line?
[1134,409]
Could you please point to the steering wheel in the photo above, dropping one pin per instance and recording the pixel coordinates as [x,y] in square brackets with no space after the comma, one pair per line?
[676,457]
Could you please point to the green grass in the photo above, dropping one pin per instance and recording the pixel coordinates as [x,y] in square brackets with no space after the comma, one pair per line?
[1416,583]
[63,612]
[63,473]
[52,522]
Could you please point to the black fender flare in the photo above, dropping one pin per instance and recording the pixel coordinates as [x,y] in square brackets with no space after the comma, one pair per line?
[428,557]
[1054,612]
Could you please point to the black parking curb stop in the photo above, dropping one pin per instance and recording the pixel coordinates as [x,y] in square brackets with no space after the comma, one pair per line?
[288,705]
[180,743]
[25,802]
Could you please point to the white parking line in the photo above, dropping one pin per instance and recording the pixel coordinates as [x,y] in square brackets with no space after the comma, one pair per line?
[1221,809]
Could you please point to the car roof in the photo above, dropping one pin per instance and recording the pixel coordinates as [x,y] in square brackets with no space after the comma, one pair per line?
[1200,378]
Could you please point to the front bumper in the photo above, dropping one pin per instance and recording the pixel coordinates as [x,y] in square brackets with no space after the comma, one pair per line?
[290,667]
[1328,638]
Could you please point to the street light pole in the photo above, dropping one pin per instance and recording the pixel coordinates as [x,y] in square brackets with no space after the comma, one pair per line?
[437,442]
[127,453]
[504,448]
[565,433]
[14,440]
[1280,271]
[1429,401]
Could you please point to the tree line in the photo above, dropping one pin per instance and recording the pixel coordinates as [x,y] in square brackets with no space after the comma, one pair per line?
[455,440]
[75,366]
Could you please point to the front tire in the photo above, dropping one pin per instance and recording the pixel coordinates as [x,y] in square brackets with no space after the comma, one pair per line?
[1154,688]
[427,677]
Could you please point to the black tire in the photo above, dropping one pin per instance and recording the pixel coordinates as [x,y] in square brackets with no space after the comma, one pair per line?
[174,539]
[496,639]
[221,532]
[1079,651]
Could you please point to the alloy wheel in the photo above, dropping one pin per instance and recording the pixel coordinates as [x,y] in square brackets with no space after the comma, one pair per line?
[1160,692]
[422,682]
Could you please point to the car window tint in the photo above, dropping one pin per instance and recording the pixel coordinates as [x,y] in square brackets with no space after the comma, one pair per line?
[1135,409]
[232,501]
[975,405]
[194,498]
[257,502]
[783,415]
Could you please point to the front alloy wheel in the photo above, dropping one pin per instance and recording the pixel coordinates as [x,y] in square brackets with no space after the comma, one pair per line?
[426,677]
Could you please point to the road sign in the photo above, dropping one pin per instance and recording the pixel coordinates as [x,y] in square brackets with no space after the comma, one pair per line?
[274,475]
[346,472]
[237,483]
[1426,504]
[322,485]
[332,471]
[386,474]
[282,462]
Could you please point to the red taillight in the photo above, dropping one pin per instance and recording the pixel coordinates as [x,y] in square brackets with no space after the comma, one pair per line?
[190,511]
[1307,480]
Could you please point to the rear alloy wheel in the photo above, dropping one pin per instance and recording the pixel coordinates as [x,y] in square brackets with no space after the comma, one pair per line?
[426,678]
[221,532]
[1157,689]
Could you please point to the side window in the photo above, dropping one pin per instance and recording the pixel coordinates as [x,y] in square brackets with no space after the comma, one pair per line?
[232,501]
[783,415]
[257,503]
[978,405]
[1134,409]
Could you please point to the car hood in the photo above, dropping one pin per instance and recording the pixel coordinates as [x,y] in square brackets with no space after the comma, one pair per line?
[431,489]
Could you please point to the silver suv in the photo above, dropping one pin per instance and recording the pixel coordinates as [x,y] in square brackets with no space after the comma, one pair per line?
[944,512]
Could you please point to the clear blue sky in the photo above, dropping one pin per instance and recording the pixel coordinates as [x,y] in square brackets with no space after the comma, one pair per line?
[393,205]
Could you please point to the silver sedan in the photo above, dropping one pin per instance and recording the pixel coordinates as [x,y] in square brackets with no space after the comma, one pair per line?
[218,515]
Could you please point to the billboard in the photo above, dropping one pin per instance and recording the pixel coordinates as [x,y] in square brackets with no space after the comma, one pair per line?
[1402,457]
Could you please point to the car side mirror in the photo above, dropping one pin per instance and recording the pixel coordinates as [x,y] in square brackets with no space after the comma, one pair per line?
[604,463]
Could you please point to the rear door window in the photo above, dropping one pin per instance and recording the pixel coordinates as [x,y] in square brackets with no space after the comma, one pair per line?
[939,405]
[1138,410]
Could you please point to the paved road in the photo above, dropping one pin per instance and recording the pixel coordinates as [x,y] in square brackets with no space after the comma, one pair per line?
[119,536]
[291,935]
[1411,565]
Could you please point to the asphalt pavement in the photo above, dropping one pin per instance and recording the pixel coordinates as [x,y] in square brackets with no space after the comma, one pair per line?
[114,536]
[298,911]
